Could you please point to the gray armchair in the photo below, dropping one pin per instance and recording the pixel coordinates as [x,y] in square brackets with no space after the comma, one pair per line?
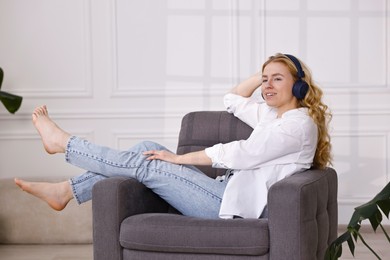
[131,222]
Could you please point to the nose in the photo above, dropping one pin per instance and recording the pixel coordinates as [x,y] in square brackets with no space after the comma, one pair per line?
[266,84]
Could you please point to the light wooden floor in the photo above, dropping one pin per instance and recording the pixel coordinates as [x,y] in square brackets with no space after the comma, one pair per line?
[46,252]
[377,241]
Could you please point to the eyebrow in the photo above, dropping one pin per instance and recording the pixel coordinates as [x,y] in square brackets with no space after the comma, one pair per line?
[273,75]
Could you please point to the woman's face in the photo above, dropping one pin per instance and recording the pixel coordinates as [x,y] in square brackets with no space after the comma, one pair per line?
[277,83]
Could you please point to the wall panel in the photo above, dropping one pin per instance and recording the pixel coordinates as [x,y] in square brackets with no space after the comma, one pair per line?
[23,156]
[48,47]
[118,72]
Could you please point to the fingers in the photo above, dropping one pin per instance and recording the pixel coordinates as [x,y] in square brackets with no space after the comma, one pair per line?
[152,154]
[158,155]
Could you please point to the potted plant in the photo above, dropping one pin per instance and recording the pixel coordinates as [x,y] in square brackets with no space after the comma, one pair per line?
[373,211]
[11,102]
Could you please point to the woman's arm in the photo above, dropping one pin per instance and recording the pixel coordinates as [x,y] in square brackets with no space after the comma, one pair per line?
[248,86]
[193,158]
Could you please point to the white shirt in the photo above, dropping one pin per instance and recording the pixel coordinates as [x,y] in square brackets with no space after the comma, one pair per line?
[277,148]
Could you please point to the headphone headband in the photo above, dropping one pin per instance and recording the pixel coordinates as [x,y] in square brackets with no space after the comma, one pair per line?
[300,73]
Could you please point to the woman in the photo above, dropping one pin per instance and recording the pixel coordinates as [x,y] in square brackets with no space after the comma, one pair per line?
[290,135]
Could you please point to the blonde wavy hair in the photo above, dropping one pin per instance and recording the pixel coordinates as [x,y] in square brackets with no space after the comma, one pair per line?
[317,109]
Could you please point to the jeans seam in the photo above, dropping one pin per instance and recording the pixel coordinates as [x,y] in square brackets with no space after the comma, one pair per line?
[80,180]
[72,184]
[100,159]
[188,182]
[68,148]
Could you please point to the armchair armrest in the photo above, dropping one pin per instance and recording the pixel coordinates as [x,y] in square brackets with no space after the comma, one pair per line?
[302,214]
[115,199]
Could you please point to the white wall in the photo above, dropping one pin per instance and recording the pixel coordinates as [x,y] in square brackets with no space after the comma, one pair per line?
[120,71]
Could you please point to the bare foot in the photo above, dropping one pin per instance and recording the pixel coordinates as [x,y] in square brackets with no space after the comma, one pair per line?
[57,195]
[54,139]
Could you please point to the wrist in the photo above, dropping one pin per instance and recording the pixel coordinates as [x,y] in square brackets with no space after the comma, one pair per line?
[179,159]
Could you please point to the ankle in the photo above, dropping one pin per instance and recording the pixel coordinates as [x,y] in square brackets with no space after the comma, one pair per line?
[64,140]
[68,193]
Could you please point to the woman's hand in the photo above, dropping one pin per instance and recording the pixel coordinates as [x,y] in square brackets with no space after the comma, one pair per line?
[193,158]
[162,155]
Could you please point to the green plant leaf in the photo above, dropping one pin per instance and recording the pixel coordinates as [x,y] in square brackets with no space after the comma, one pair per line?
[383,194]
[342,238]
[351,246]
[339,251]
[367,210]
[1,76]
[333,252]
[355,220]
[375,220]
[11,102]
[372,211]
[384,205]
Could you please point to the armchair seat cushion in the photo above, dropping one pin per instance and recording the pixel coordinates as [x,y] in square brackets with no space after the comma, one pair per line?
[176,233]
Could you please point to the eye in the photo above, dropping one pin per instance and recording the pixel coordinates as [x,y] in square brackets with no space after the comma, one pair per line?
[264,80]
[278,79]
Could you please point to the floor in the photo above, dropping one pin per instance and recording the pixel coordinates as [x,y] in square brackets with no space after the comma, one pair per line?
[46,252]
[377,241]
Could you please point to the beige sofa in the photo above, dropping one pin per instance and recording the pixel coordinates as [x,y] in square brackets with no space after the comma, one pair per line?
[30,229]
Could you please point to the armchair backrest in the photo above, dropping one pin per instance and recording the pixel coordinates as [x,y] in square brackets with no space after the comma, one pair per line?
[203,129]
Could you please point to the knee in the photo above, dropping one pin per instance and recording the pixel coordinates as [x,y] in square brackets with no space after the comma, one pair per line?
[150,145]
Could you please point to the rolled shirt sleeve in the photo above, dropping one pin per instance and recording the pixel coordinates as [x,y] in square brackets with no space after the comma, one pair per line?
[246,109]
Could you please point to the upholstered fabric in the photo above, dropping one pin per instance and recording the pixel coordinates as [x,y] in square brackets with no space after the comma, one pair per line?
[150,255]
[180,234]
[307,218]
[203,129]
[302,212]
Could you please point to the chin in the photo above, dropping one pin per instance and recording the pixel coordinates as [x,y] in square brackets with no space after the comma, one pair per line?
[270,103]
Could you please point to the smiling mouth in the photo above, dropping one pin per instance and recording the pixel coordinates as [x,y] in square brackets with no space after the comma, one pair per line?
[270,94]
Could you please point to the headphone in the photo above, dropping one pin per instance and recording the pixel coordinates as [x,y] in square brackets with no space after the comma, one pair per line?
[300,87]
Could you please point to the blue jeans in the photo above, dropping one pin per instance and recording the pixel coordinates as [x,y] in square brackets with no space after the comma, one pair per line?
[184,187]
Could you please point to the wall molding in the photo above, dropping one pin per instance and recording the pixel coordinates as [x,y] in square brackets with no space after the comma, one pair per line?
[169,137]
[359,135]
[19,136]
[123,114]
[82,91]
[128,114]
